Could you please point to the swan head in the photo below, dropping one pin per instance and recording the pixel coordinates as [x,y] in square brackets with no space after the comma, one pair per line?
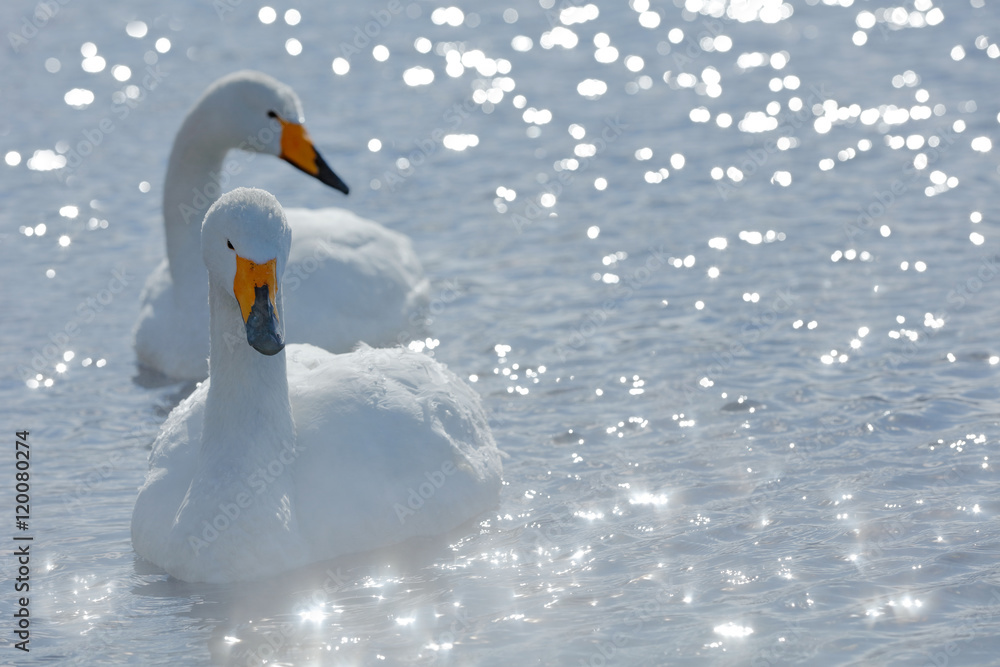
[256,112]
[245,241]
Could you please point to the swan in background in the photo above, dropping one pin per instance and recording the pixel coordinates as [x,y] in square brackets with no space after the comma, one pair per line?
[289,456]
[349,279]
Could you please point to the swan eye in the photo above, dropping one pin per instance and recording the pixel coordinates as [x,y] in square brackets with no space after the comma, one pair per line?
[230,245]
[272,114]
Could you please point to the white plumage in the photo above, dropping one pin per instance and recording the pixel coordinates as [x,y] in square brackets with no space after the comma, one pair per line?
[349,279]
[280,461]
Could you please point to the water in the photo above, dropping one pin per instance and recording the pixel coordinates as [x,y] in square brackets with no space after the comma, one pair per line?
[652,327]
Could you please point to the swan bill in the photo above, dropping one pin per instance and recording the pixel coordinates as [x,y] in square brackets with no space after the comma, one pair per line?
[255,286]
[262,325]
[297,149]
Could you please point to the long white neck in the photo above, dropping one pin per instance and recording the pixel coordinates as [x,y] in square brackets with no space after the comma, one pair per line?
[247,404]
[192,185]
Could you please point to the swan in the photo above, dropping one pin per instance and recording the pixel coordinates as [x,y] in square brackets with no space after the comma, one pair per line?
[349,279]
[292,455]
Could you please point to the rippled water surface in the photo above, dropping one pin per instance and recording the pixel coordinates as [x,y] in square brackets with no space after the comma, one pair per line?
[725,274]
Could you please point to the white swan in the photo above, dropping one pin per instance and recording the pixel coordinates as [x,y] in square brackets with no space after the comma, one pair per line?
[275,463]
[349,279]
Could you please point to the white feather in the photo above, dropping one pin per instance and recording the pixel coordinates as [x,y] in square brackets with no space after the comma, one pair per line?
[348,279]
[276,462]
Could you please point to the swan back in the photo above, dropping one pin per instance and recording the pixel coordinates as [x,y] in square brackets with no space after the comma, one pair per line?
[267,466]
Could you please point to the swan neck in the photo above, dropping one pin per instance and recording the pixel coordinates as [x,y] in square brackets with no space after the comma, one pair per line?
[247,403]
[194,180]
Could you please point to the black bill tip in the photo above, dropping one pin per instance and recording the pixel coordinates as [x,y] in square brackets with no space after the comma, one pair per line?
[327,175]
[262,324]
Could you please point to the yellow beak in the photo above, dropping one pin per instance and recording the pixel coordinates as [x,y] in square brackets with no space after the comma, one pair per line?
[255,287]
[297,149]
[250,276]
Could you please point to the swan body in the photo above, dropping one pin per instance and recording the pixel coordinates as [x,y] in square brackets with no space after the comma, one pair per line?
[289,456]
[350,279]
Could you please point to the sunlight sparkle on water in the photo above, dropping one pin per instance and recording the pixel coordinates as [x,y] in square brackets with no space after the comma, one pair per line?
[417,76]
[521,43]
[342,66]
[136,29]
[733,631]
[982,144]
[121,73]
[571,15]
[267,15]
[45,160]
[605,54]
[93,64]
[648,499]
[782,178]
[79,98]
[459,142]
[314,615]
[452,16]
[558,36]
[591,88]
[908,120]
